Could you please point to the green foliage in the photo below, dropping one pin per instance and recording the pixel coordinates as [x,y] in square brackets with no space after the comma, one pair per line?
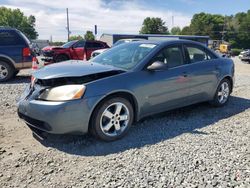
[89,35]
[207,24]
[235,51]
[16,19]
[186,31]
[154,26]
[236,28]
[75,37]
[176,31]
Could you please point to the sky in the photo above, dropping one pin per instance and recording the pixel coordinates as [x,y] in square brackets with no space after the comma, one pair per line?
[116,16]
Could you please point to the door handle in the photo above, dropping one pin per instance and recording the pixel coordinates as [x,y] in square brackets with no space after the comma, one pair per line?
[185,74]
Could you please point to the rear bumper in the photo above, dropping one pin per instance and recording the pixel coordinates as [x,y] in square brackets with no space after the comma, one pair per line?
[245,58]
[23,65]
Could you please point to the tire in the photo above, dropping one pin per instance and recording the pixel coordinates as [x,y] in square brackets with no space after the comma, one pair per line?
[61,58]
[15,73]
[6,71]
[222,95]
[107,123]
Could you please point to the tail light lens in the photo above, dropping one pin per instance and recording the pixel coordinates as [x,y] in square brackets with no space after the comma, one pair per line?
[26,52]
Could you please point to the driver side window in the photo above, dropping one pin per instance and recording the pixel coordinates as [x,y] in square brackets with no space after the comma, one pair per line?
[171,56]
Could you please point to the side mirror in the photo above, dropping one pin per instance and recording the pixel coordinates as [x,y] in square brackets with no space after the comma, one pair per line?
[157,66]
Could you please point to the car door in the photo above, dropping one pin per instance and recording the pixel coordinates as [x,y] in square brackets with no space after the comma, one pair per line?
[92,46]
[165,89]
[77,50]
[203,72]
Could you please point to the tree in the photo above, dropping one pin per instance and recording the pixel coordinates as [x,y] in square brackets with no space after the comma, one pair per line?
[75,37]
[89,35]
[207,24]
[16,19]
[176,31]
[154,26]
[186,31]
[242,29]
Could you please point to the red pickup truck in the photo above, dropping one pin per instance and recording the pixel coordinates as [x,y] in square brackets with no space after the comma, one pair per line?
[76,49]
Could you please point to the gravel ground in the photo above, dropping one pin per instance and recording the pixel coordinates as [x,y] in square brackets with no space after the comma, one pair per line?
[197,146]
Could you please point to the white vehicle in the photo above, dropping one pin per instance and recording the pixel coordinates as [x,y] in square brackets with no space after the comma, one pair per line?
[244,53]
[97,52]
[121,41]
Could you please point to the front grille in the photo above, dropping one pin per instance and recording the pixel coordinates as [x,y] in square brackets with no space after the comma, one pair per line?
[34,122]
[48,53]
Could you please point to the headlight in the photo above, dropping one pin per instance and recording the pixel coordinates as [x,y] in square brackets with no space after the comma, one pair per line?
[63,93]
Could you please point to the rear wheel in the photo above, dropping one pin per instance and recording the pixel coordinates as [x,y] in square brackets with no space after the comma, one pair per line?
[222,93]
[6,71]
[61,58]
[112,119]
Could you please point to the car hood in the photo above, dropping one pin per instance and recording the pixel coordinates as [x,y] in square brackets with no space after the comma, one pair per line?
[72,68]
[48,48]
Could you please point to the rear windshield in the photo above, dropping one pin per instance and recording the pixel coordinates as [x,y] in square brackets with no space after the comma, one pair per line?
[25,38]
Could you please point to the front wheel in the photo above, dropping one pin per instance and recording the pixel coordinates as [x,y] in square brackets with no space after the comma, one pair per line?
[61,58]
[222,93]
[112,119]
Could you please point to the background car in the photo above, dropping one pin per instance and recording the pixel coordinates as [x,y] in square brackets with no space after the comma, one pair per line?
[35,48]
[72,50]
[121,41]
[15,53]
[245,55]
[123,85]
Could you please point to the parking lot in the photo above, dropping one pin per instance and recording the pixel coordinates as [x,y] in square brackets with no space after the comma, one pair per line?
[194,146]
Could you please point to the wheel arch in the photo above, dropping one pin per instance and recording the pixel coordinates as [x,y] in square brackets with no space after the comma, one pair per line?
[230,79]
[124,94]
[8,60]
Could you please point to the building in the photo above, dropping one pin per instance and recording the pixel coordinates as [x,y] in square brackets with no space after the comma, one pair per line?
[41,43]
[110,39]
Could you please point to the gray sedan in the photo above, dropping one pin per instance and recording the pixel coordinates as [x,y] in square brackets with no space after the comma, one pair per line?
[123,85]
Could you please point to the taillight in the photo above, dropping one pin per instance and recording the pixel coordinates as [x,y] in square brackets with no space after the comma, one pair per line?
[26,52]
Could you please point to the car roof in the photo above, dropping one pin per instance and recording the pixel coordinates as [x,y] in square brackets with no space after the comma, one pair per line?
[8,28]
[169,41]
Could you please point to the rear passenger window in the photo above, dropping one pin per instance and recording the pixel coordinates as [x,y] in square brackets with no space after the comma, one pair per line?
[8,38]
[197,55]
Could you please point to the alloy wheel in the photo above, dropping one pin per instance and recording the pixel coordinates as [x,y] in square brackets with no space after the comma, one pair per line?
[3,72]
[114,119]
[223,92]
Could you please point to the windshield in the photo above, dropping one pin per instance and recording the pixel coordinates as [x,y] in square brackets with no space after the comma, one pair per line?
[125,56]
[69,44]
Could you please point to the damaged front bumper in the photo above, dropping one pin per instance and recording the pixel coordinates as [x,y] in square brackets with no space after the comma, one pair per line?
[56,117]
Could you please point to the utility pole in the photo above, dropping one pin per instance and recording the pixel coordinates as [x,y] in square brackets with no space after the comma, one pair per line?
[95,31]
[67,11]
[223,32]
[172,21]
